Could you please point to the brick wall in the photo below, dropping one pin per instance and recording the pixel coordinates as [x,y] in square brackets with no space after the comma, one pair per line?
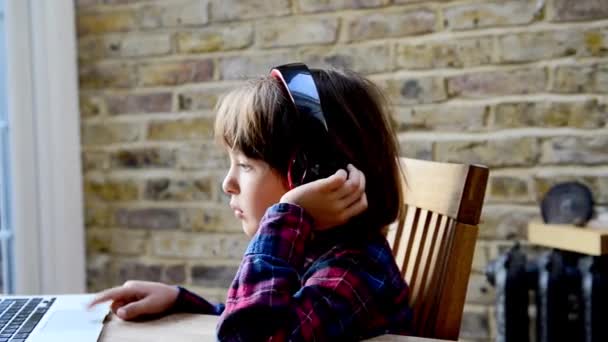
[517,85]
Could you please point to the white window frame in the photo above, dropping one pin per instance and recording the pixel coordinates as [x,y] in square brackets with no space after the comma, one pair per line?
[46,187]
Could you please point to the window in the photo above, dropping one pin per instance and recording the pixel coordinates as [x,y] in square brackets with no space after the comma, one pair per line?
[5,225]
[42,246]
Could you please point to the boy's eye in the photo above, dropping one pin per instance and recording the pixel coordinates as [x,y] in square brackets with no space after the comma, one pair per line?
[244,166]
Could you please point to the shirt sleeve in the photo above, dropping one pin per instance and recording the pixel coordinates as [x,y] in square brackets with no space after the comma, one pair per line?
[192,303]
[268,301]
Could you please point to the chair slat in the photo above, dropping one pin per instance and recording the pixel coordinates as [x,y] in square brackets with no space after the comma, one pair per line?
[434,298]
[431,250]
[435,277]
[395,232]
[415,249]
[405,241]
[391,235]
[442,283]
[421,261]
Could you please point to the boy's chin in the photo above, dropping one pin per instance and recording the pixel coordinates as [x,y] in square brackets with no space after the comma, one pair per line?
[249,230]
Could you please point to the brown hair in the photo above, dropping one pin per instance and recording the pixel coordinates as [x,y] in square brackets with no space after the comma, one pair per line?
[259,120]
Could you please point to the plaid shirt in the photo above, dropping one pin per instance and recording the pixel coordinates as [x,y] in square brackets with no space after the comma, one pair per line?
[292,287]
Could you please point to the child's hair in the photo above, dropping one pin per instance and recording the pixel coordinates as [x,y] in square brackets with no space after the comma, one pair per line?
[259,120]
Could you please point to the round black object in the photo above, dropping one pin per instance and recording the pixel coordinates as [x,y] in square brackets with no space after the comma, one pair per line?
[567,203]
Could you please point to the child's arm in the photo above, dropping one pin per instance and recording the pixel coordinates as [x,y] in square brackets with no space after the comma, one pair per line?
[267,298]
[135,299]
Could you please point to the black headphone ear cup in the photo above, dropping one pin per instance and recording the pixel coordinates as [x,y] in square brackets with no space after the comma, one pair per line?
[298,167]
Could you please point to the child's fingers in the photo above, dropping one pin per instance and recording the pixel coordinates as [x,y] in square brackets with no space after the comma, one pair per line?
[334,181]
[350,168]
[355,190]
[357,208]
[117,304]
[362,182]
[351,199]
[119,293]
[351,184]
[135,309]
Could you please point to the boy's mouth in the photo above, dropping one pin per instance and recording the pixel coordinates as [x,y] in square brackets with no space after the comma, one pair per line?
[237,211]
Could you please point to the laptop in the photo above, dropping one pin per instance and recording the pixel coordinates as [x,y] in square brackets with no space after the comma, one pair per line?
[50,318]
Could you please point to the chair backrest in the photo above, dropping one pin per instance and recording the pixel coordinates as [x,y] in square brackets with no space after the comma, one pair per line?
[434,241]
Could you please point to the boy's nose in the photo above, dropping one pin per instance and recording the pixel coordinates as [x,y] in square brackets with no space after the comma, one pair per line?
[229,185]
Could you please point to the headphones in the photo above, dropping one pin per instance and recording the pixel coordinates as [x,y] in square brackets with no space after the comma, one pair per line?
[317,156]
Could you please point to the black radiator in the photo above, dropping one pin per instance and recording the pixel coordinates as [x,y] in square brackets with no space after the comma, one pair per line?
[569,292]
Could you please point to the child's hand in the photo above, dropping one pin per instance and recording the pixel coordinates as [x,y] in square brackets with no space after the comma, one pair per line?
[138,298]
[331,201]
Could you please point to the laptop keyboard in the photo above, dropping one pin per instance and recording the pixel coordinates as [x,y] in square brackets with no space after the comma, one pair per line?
[19,317]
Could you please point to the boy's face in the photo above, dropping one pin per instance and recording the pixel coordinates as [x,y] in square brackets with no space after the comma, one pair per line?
[254,186]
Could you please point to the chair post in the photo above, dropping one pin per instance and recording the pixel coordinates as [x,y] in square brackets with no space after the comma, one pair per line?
[452,297]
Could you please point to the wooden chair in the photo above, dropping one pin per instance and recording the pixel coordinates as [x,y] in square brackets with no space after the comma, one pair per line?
[434,241]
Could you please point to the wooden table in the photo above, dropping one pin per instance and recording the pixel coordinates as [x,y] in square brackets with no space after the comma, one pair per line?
[187,327]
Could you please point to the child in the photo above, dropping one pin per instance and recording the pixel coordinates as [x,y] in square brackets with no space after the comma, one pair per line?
[318,266]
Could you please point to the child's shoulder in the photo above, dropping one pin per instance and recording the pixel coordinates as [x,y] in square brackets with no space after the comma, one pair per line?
[367,248]
[371,255]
